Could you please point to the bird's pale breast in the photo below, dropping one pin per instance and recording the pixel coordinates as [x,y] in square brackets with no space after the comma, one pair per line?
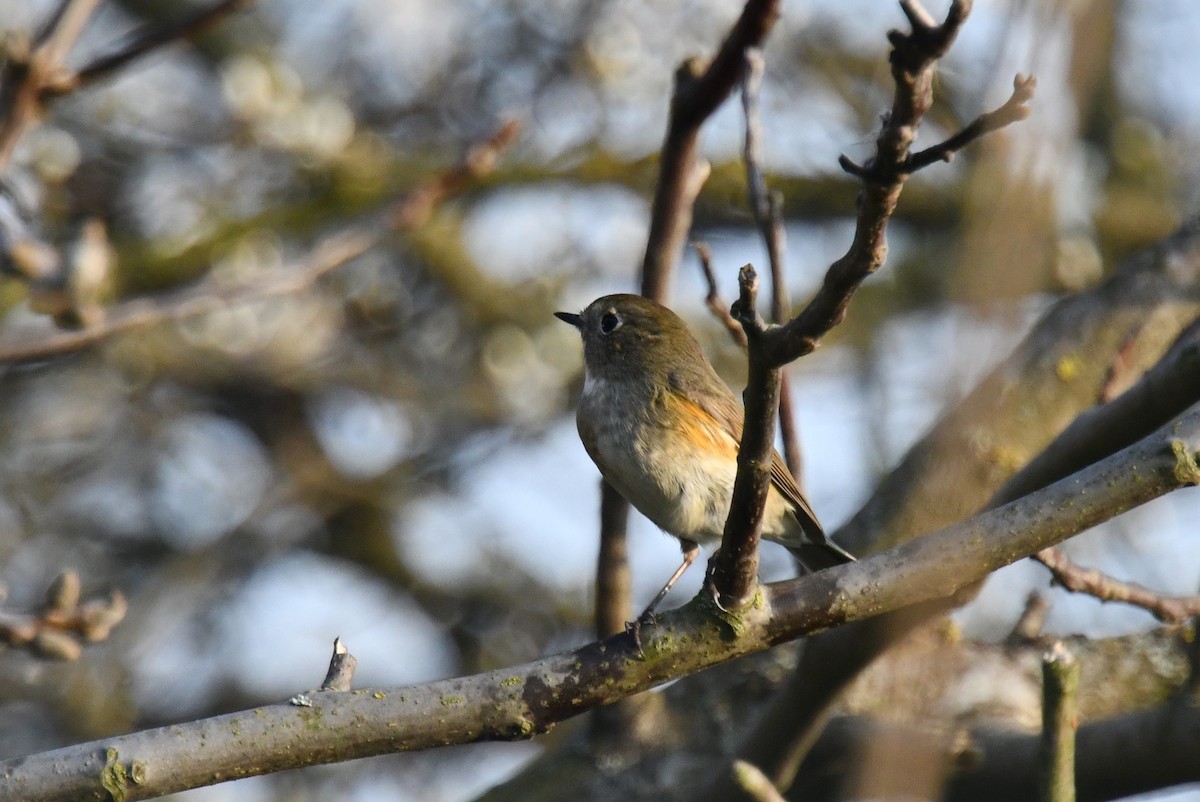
[670,459]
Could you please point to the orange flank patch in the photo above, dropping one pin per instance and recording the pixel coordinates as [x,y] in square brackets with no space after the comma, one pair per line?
[696,426]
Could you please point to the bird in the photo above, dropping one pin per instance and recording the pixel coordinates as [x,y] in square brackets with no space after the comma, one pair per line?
[664,430]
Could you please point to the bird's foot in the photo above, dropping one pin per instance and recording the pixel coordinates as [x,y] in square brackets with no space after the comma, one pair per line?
[634,629]
[710,585]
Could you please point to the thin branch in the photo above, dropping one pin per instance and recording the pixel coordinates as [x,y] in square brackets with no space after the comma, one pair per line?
[520,701]
[767,209]
[789,429]
[50,23]
[776,237]
[697,94]
[418,204]
[39,74]
[613,578]
[1032,620]
[61,31]
[913,58]
[152,38]
[698,91]
[1060,680]
[716,304]
[1077,579]
[1014,110]
[756,184]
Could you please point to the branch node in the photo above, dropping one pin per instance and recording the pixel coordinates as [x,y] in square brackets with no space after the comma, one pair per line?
[745,308]
[1187,471]
[853,168]
[340,676]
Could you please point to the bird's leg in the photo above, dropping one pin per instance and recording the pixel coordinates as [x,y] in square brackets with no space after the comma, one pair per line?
[691,550]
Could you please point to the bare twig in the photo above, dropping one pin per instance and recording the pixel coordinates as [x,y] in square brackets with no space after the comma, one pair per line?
[1060,679]
[913,58]
[35,75]
[756,184]
[1077,579]
[154,37]
[617,728]
[50,23]
[1033,618]
[776,237]
[789,429]
[418,204]
[716,304]
[699,90]
[61,31]
[63,623]
[767,209]
[1014,110]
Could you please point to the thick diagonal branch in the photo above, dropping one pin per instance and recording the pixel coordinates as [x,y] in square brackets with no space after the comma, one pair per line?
[520,701]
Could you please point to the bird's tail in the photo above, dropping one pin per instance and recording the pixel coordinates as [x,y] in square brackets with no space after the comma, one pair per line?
[821,554]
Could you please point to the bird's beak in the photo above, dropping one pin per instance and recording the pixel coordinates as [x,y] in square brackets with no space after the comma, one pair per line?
[570,317]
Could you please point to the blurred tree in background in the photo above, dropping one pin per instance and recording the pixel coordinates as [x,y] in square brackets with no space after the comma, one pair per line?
[278,364]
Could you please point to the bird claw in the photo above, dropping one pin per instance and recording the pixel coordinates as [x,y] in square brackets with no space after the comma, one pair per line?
[711,586]
[716,596]
[634,629]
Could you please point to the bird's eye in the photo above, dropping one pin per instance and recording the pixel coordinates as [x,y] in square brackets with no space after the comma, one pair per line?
[609,323]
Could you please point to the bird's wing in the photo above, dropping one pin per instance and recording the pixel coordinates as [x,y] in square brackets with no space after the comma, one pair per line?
[714,397]
[785,483]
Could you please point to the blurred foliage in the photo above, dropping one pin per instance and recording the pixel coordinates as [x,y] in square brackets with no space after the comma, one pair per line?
[181,461]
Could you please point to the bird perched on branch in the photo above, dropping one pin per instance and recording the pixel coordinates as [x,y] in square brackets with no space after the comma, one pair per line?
[664,430]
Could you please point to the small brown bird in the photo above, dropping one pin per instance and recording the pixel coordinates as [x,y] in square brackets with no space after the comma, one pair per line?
[664,430]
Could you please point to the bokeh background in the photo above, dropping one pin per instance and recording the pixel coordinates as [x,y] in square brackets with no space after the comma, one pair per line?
[388,455]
